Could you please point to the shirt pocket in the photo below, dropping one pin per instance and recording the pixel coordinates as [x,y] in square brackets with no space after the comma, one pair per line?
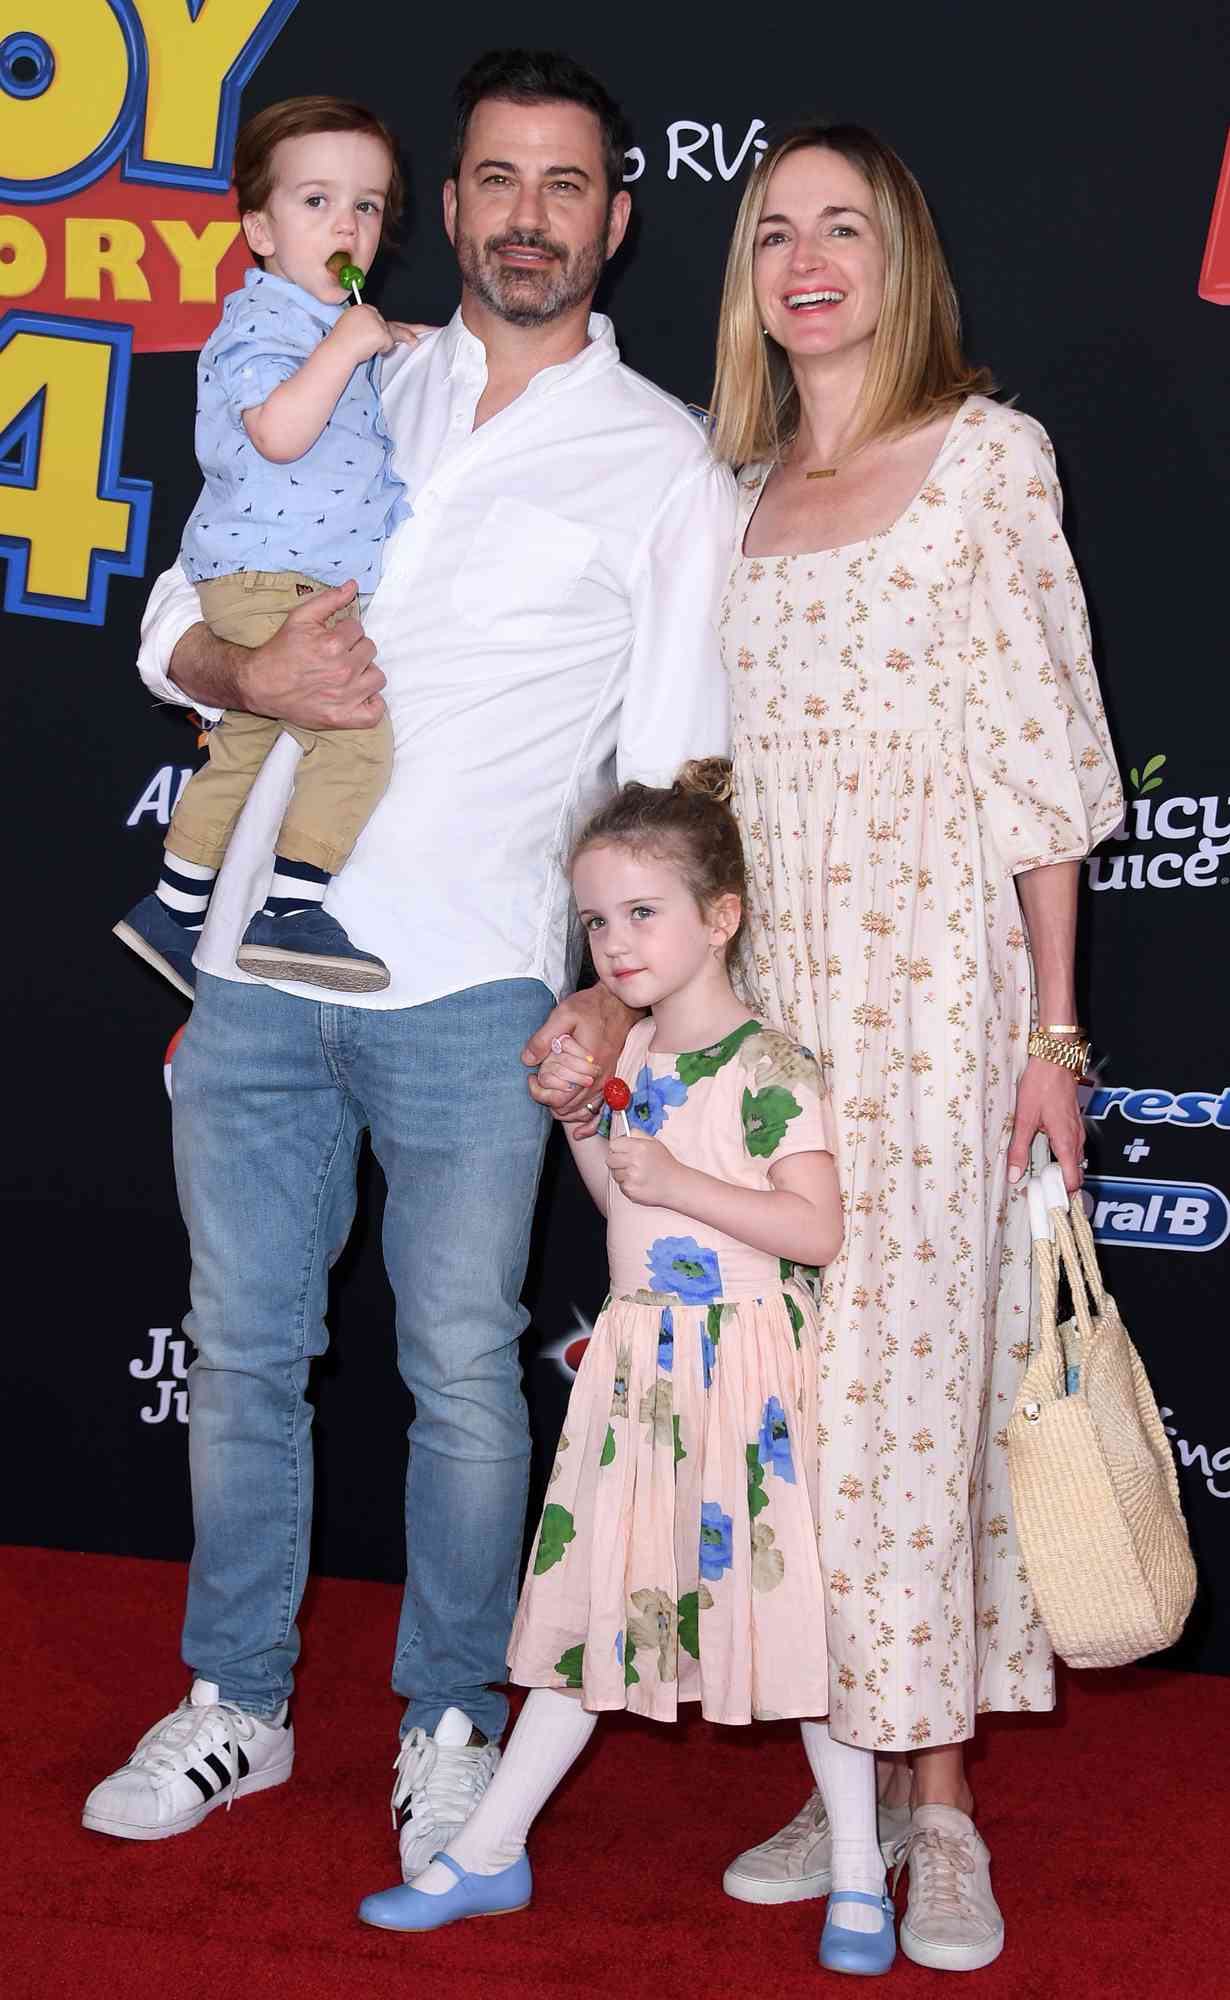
[522,562]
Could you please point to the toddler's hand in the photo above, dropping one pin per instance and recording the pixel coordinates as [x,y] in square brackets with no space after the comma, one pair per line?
[362,332]
[645,1170]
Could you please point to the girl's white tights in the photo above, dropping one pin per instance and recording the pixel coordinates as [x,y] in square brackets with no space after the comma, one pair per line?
[552,1730]
[847,1780]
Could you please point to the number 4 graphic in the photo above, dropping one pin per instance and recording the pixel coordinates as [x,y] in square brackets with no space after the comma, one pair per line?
[68,521]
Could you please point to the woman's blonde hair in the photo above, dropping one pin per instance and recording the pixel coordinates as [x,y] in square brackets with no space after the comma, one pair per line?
[917,367]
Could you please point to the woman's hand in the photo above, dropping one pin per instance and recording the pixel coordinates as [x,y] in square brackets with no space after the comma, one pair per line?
[645,1170]
[1046,1102]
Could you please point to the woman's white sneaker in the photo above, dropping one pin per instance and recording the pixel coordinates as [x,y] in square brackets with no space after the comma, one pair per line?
[796,1864]
[206,1753]
[440,1779]
[952,1921]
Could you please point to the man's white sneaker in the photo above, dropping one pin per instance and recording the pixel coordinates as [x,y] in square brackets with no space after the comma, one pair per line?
[206,1753]
[440,1779]
[952,1920]
[796,1863]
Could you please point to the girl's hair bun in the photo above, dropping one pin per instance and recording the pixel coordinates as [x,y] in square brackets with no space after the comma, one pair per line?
[710,777]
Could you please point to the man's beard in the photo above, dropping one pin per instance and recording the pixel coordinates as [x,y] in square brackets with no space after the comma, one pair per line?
[530,296]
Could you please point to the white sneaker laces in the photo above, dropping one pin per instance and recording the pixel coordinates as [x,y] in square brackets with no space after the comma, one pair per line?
[938,1861]
[172,1746]
[440,1782]
[809,1821]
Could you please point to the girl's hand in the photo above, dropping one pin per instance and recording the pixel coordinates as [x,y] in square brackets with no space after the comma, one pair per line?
[566,1072]
[1046,1102]
[645,1170]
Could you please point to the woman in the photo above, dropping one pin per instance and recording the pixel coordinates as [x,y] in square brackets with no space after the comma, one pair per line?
[921,761]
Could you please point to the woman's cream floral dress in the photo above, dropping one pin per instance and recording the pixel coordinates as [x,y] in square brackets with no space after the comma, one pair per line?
[916,720]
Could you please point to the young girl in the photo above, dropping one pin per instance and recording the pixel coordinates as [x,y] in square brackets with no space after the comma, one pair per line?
[677,1555]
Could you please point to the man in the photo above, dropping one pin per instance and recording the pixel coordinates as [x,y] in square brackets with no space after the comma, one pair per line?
[544,625]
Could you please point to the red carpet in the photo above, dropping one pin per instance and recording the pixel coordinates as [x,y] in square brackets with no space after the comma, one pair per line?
[1095,1817]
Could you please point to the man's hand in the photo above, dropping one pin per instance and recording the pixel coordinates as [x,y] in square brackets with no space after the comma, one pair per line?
[597,1022]
[645,1170]
[308,674]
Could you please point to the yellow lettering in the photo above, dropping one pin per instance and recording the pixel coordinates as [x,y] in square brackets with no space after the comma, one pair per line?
[187,62]
[23,257]
[62,516]
[94,244]
[49,134]
[198,257]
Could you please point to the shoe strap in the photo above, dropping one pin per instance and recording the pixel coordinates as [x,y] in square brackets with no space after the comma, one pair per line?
[451,1865]
[851,1896]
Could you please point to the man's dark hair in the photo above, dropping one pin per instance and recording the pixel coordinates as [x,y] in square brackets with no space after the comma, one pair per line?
[541,76]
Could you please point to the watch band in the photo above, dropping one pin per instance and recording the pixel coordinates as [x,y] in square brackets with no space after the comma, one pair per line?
[1070,1055]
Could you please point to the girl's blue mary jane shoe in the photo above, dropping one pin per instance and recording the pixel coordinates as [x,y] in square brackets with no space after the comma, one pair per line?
[407,1909]
[842,1950]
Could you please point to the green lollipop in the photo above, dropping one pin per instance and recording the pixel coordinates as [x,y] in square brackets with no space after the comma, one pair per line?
[348,275]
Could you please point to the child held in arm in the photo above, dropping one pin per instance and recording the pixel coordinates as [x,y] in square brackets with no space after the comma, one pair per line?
[677,1555]
[299,497]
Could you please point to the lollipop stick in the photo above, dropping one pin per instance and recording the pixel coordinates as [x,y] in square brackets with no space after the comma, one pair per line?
[355,289]
[624,1116]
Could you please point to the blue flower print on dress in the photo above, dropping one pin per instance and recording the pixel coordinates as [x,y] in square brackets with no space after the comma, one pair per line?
[708,1355]
[666,1340]
[774,1445]
[652,1097]
[678,1264]
[716,1541]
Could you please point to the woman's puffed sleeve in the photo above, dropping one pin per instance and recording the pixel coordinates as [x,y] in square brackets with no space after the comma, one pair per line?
[784,1105]
[1039,750]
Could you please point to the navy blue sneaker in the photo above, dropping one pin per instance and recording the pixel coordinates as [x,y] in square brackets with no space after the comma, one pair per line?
[312,947]
[154,935]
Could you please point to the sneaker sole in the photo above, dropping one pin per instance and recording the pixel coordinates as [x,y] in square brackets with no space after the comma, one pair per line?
[135,942]
[804,1889]
[949,1957]
[256,1781]
[339,975]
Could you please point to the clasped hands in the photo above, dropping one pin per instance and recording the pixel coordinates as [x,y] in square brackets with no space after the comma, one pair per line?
[645,1170]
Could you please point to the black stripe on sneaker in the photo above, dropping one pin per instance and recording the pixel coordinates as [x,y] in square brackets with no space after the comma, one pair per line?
[202,1784]
[244,1766]
[219,1768]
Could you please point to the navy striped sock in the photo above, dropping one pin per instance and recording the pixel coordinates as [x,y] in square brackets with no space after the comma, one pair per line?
[296,886]
[184,889]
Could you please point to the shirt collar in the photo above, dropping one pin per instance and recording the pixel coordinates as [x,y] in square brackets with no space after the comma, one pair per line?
[467,355]
[257,284]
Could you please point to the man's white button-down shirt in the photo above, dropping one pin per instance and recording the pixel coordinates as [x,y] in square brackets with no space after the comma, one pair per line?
[547,626]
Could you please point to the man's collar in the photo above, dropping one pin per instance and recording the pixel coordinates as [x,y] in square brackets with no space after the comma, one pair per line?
[466,352]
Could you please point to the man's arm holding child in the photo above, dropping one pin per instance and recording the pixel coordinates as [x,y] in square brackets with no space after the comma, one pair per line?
[308,674]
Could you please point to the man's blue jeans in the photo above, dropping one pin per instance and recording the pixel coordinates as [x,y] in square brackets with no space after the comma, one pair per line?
[271,1098]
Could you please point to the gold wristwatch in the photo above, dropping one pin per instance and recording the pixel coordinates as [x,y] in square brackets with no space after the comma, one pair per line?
[1071,1053]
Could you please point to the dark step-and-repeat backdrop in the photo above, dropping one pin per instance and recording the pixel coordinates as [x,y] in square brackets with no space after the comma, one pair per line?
[1072,155]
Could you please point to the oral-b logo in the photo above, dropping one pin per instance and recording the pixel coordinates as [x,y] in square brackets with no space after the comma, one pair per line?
[1161,1107]
[1156,1215]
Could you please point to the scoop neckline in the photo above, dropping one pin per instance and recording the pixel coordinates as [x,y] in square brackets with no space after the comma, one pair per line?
[735,1036]
[841,548]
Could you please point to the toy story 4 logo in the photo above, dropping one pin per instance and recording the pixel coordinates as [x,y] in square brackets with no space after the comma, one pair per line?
[117,233]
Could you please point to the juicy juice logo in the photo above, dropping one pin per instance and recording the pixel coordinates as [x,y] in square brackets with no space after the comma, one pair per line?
[117,231]
[1164,843]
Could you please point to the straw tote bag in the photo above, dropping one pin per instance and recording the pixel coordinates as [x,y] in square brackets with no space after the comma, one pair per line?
[1093,1480]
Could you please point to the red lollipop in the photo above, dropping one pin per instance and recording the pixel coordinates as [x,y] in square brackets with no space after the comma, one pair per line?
[619,1097]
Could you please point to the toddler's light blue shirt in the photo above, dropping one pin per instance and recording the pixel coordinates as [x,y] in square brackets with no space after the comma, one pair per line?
[327,514]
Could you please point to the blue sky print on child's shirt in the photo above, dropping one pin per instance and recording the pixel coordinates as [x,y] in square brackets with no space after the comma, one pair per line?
[679,1264]
[652,1098]
[666,1340]
[774,1444]
[716,1541]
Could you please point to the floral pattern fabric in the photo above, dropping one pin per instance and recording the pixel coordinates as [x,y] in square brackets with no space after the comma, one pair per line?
[917,720]
[677,1556]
